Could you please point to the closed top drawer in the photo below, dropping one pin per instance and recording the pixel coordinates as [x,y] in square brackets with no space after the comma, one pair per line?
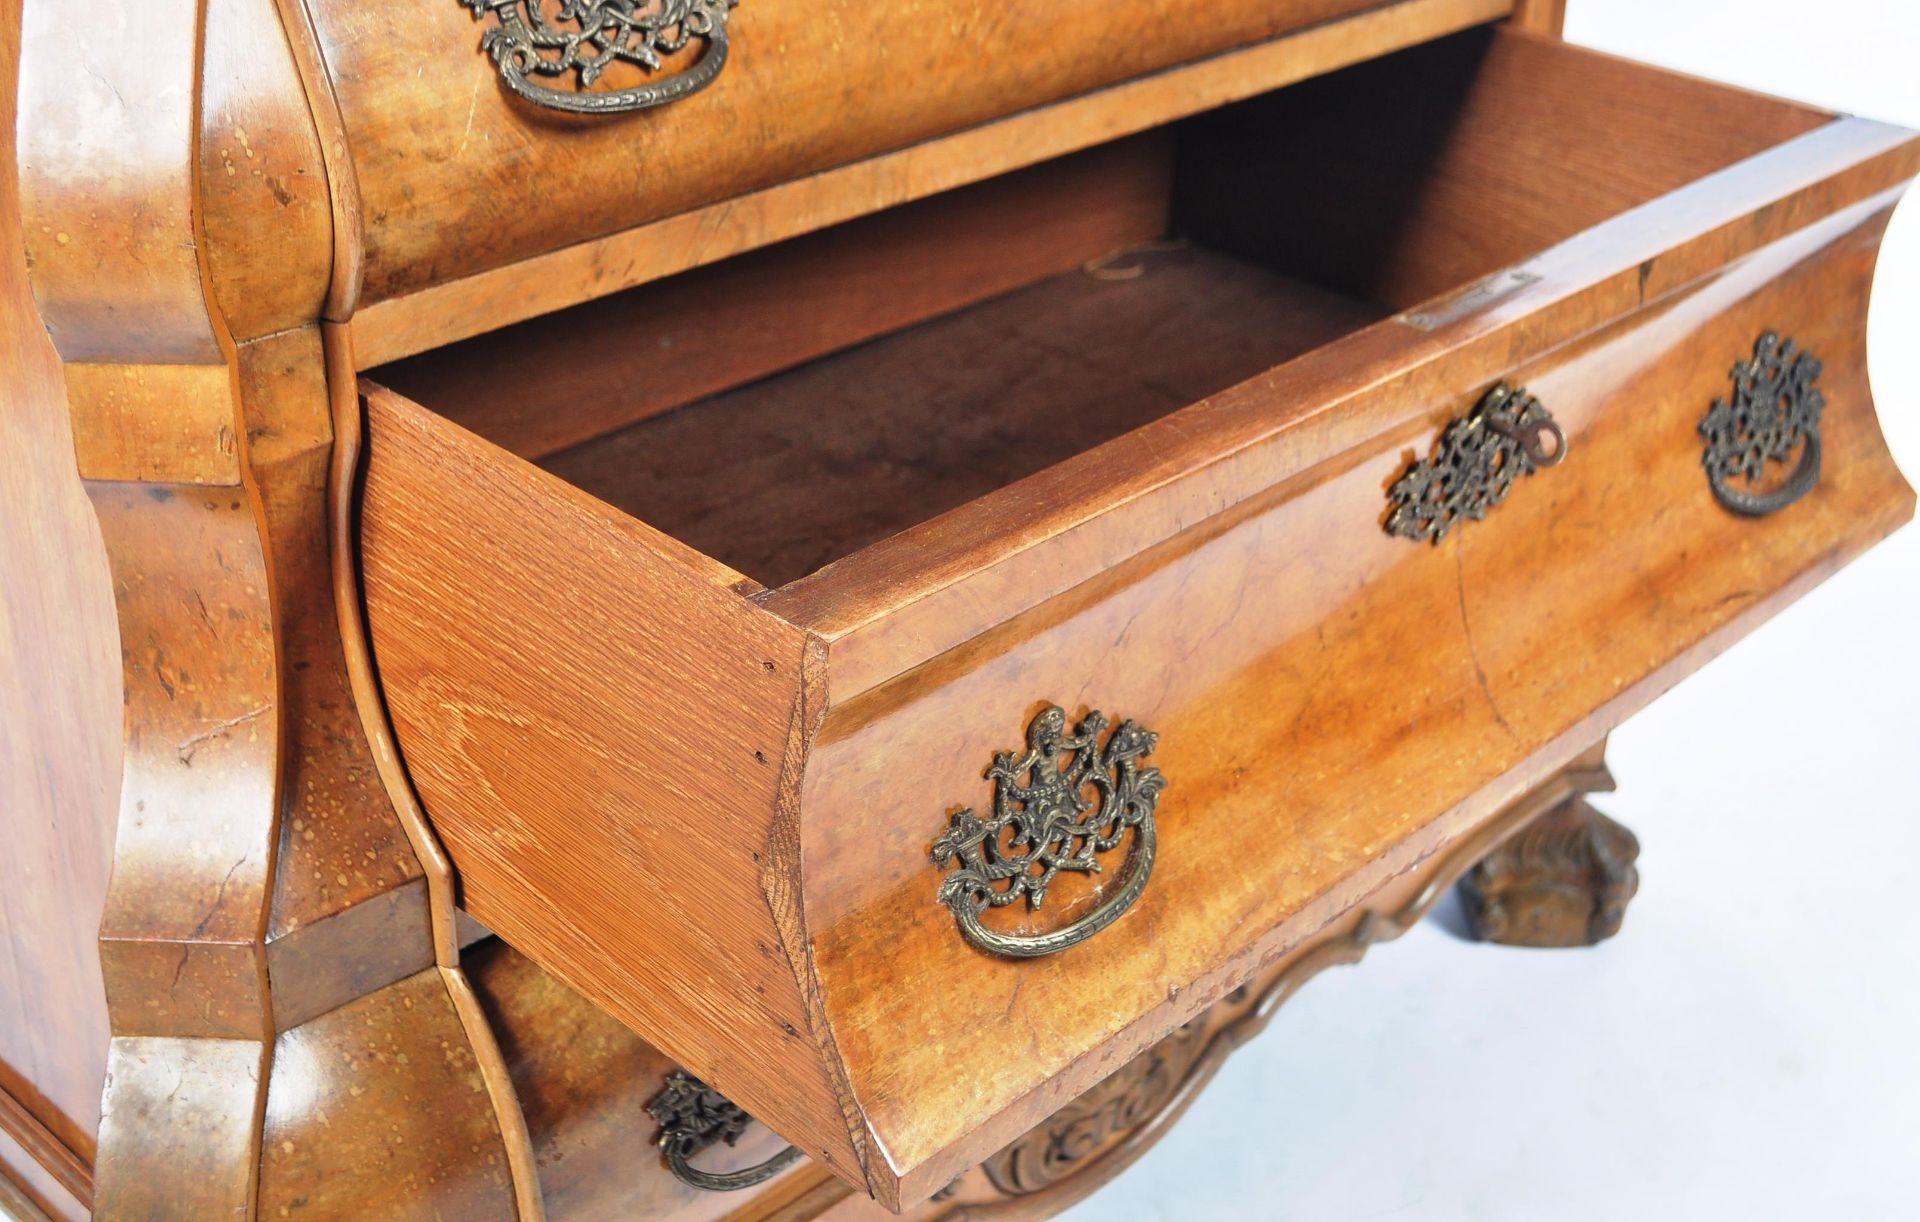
[1250,509]
[455,171]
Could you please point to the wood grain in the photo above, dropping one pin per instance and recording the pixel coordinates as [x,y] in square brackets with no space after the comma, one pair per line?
[1547,17]
[180,935]
[843,452]
[703,804]
[59,711]
[57,1179]
[1084,1146]
[109,182]
[697,704]
[1078,1151]
[343,184]
[260,878]
[1333,704]
[32,1192]
[353,1129]
[369,703]
[180,1128]
[1333,708]
[348,912]
[914,595]
[592,1073]
[455,173]
[106,171]
[586,1081]
[572,270]
[526,389]
[1446,163]
[263,181]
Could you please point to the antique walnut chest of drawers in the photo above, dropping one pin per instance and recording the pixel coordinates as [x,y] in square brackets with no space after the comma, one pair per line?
[761,610]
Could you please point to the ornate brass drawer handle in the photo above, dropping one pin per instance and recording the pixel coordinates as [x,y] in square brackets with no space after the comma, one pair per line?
[694,1117]
[641,32]
[1049,823]
[1508,434]
[1774,410]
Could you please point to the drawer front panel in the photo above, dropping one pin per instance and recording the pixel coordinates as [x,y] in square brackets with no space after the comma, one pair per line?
[457,174]
[1333,703]
[586,1083]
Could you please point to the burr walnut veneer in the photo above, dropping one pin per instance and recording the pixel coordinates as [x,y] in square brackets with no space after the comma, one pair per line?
[925,565]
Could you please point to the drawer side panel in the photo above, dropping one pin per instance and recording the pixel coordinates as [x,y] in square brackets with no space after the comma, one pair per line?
[599,727]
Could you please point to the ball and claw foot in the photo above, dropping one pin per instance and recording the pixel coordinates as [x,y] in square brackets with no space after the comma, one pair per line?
[1563,880]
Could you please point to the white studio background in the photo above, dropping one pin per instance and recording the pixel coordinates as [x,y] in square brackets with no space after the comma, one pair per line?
[1749,1046]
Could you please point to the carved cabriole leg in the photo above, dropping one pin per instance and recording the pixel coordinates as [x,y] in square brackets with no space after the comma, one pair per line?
[1086,1143]
[1563,880]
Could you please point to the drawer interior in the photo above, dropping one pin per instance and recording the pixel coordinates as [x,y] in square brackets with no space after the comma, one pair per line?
[820,461]
[782,410]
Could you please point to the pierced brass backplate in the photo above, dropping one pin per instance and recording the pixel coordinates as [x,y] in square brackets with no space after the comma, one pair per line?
[1508,434]
[1773,411]
[694,1117]
[527,44]
[1047,823]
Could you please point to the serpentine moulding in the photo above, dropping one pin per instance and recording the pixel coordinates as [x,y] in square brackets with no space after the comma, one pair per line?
[586,37]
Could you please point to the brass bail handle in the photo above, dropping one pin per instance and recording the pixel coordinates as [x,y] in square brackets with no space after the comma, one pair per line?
[1539,437]
[582,40]
[694,1117]
[1772,413]
[1068,799]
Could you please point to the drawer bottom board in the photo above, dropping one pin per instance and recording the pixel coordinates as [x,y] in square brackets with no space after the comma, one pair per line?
[825,459]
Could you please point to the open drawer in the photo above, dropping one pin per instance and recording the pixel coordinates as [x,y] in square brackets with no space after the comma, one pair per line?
[700,667]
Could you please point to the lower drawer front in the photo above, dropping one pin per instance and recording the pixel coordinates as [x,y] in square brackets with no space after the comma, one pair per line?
[595,1098]
[1333,702]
